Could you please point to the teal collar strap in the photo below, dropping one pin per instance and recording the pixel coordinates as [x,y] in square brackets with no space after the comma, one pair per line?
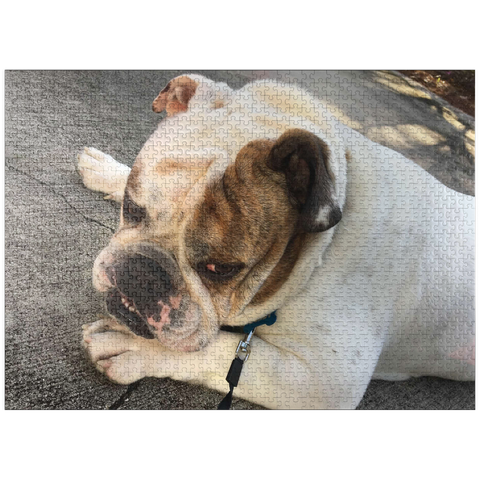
[249,327]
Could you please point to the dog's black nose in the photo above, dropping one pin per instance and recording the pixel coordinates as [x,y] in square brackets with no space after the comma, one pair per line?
[144,281]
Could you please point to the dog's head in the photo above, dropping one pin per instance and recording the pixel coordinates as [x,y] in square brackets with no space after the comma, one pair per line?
[197,244]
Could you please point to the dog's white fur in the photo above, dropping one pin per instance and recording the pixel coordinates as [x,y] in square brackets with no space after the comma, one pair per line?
[388,293]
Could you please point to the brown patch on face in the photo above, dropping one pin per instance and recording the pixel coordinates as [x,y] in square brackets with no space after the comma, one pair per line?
[245,219]
[175,96]
[281,271]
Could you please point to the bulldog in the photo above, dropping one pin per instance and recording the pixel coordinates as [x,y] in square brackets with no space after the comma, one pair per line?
[248,202]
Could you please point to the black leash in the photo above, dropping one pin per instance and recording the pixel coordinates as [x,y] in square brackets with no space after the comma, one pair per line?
[241,355]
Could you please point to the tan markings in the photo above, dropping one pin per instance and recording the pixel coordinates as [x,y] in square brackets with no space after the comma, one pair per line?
[348,155]
[175,96]
[246,217]
[281,271]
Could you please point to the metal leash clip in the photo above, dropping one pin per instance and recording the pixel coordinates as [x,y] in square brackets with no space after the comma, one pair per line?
[241,355]
[243,347]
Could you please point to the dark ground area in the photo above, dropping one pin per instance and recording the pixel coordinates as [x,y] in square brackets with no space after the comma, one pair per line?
[457,87]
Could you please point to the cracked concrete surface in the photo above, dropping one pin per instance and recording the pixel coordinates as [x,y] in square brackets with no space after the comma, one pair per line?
[54,227]
[10,167]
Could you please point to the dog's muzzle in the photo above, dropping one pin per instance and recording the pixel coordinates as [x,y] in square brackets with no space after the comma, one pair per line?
[148,294]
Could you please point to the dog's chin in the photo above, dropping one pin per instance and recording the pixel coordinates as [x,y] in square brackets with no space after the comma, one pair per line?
[187,338]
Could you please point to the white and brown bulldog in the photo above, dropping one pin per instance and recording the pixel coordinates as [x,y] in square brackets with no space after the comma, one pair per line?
[252,201]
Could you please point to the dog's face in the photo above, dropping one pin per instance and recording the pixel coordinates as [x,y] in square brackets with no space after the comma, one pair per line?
[194,246]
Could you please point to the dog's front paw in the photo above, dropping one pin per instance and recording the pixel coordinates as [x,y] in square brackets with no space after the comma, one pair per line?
[115,351]
[101,173]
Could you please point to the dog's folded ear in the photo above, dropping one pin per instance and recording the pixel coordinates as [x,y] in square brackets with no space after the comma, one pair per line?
[175,96]
[304,157]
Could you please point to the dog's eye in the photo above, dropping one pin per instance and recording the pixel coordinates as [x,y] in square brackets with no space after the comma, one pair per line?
[219,271]
[132,213]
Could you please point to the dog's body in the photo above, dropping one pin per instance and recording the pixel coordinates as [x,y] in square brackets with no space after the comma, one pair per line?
[232,231]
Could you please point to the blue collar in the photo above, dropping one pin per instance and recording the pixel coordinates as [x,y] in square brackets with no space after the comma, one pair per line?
[268,320]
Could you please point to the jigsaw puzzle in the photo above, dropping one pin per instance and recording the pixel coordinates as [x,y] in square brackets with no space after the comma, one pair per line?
[265,249]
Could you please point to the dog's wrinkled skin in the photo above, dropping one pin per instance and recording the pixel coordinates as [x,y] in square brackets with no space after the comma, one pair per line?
[240,204]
